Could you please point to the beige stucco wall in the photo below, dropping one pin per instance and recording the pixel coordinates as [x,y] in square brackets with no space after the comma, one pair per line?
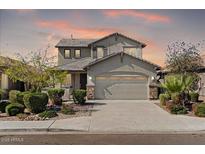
[85,52]
[116,44]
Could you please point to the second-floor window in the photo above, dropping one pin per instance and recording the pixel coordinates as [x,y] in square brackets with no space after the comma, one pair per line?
[77,53]
[130,50]
[67,53]
[100,52]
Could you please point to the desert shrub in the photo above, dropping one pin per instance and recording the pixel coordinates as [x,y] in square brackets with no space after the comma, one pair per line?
[3,105]
[194,96]
[36,102]
[13,96]
[200,110]
[178,109]
[14,109]
[20,96]
[48,114]
[67,110]
[56,95]
[163,98]
[176,97]
[79,96]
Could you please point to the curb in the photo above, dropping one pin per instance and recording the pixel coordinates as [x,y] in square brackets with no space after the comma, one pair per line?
[73,131]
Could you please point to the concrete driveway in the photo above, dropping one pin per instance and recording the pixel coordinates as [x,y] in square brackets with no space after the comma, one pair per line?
[137,116]
[108,116]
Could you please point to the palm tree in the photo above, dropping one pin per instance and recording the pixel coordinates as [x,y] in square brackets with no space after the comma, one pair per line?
[178,84]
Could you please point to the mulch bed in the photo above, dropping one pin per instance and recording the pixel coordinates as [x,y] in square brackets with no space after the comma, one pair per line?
[80,111]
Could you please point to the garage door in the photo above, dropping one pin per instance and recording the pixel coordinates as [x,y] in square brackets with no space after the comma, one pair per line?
[121,87]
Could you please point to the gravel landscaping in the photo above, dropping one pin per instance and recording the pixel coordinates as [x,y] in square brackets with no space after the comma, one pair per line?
[79,111]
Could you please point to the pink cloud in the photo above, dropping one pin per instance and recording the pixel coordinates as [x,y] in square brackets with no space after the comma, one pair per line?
[65,27]
[150,17]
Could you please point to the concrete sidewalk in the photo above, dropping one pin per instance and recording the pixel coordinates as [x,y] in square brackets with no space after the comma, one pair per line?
[114,117]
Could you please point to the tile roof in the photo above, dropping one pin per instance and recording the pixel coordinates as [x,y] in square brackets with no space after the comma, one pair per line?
[76,65]
[86,42]
[75,42]
[82,64]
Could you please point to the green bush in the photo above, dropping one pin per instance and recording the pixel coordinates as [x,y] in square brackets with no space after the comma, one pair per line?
[163,98]
[13,96]
[56,95]
[194,96]
[79,96]
[176,97]
[48,114]
[3,105]
[178,109]
[20,96]
[14,109]
[36,102]
[200,110]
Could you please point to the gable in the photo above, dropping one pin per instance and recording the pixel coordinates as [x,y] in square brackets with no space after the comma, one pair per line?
[117,38]
[119,63]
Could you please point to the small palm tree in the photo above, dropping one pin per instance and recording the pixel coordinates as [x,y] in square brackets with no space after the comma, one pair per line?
[178,84]
[172,84]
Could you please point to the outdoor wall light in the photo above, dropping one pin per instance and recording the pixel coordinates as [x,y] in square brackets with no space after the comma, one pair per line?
[152,78]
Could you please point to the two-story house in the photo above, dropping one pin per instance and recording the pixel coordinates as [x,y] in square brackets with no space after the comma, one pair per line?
[109,68]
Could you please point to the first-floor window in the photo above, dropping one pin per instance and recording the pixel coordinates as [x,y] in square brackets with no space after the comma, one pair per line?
[100,52]
[130,50]
[67,53]
[77,53]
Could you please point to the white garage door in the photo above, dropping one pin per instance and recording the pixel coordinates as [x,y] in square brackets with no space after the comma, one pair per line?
[121,87]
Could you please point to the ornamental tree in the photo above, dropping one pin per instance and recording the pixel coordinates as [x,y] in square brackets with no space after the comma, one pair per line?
[183,57]
[35,69]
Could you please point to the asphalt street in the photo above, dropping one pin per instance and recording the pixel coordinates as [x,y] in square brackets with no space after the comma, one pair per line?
[103,139]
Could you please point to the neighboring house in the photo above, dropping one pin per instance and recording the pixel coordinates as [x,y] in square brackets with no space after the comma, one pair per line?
[6,83]
[109,68]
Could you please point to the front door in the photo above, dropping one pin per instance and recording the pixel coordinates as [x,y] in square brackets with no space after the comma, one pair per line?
[83,81]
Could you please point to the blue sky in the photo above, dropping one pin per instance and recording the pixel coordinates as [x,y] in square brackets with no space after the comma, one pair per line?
[30,30]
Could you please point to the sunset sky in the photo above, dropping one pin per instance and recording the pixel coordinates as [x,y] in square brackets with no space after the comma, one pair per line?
[30,30]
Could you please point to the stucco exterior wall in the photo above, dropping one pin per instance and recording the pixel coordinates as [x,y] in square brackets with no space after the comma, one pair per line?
[116,44]
[85,52]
